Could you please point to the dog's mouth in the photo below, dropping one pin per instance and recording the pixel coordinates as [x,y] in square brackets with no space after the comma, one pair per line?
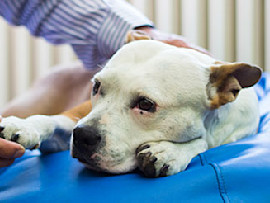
[91,160]
[82,160]
[84,156]
[91,163]
[102,162]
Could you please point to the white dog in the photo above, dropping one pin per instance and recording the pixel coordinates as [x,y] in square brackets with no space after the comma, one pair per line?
[155,107]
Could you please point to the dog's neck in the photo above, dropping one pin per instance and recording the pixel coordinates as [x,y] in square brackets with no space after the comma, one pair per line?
[224,123]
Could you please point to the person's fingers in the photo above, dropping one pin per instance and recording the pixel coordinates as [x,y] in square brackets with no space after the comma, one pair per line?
[184,44]
[10,150]
[6,162]
[172,39]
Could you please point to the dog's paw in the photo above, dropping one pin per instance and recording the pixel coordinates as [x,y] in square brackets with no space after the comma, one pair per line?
[20,131]
[159,159]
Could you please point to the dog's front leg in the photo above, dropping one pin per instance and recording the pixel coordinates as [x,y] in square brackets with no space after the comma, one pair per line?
[164,158]
[52,132]
[30,132]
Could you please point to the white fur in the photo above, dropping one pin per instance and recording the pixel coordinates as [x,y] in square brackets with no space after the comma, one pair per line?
[176,79]
[35,129]
[182,125]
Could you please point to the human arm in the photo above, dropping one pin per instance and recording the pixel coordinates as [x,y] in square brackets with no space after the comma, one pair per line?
[96,29]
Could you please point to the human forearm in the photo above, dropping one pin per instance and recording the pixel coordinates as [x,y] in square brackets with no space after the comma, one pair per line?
[95,28]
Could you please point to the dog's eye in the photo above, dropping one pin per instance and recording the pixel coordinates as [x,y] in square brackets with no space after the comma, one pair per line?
[96,87]
[146,104]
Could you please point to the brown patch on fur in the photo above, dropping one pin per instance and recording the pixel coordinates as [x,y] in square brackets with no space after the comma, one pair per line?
[227,92]
[229,79]
[134,35]
[78,112]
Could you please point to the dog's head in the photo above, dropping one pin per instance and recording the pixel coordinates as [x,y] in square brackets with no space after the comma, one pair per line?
[152,91]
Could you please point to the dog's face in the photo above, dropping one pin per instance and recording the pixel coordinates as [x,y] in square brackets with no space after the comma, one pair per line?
[149,91]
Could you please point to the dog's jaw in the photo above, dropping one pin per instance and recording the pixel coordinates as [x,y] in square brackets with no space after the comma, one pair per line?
[112,167]
[103,162]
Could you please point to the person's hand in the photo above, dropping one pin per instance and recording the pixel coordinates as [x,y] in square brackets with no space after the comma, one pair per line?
[172,39]
[9,151]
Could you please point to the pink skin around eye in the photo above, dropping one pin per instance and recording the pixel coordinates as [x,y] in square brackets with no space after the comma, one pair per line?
[138,111]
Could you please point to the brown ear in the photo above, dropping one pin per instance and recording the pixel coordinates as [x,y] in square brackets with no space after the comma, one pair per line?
[134,35]
[228,80]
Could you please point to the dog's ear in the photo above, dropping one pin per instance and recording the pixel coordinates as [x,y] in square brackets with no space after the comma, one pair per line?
[134,35]
[226,80]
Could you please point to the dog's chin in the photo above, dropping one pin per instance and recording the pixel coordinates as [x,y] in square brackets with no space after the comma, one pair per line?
[104,162]
[111,166]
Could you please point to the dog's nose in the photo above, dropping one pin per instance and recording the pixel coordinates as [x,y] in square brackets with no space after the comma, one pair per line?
[86,136]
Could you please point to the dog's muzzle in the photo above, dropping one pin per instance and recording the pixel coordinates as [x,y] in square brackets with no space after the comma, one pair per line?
[86,140]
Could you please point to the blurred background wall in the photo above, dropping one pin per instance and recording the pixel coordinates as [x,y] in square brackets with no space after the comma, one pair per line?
[232,30]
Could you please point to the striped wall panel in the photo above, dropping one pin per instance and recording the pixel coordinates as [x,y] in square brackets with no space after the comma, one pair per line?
[267,35]
[249,31]
[4,63]
[221,29]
